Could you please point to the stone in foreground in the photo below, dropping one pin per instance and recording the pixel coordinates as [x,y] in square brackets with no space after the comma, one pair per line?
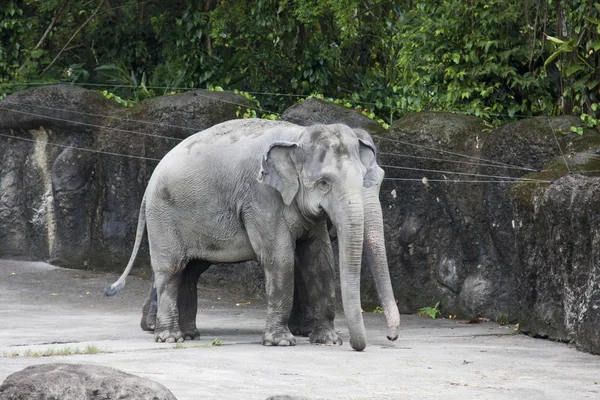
[79,382]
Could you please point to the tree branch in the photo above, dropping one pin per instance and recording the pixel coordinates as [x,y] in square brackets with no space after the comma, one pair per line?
[72,37]
[47,32]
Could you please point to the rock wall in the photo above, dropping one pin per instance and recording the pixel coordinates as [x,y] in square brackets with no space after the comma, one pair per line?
[485,247]
[525,252]
[76,208]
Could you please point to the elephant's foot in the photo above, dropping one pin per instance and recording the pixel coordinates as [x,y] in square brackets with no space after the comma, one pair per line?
[169,336]
[148,324]
[284,338]
[327,337]
[191,334]
[300,327]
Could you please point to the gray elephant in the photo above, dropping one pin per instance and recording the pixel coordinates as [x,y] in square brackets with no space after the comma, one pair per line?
[256,189]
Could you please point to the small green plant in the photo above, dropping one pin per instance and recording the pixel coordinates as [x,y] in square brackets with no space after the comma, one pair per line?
[377,310]
[248,113]
[217,342]
[31,353]
[90,349]
[503,318]
[119,100]
[67,351]
[431,312]
[363,110]
[179,346]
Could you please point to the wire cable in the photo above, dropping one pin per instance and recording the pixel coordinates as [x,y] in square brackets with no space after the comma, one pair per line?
[478,160]
[452,152]
[457,173]
[101,115]
[92,125]
[129,86]
[79,148]
[426,180]
[474,163]
[558,144]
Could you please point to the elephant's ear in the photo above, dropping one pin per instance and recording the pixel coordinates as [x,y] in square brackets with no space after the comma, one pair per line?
[368,156]
[279,171]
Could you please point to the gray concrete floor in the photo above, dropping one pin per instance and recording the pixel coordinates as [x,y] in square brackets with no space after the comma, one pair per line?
[44,308]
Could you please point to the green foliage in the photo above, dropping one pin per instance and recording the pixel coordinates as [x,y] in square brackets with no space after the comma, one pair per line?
[117,99]
[431,312]
[503,318]
[378,310]
[217,342]
[496,59]
[577,58]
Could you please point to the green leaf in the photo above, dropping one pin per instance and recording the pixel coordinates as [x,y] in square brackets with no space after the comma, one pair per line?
[37,53]
[575,68]
[594,21]
[552,57]
[107,67]
[554,39]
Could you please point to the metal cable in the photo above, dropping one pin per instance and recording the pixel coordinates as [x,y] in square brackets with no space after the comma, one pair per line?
[101,115]
[426,180]
[558,144]
[458,173]
[154,87]
[88,124]
[79,148]
[475,163]
[497,164]
[229,91]
[452,152]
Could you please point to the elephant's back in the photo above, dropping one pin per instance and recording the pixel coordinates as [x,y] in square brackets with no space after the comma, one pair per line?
[242,133]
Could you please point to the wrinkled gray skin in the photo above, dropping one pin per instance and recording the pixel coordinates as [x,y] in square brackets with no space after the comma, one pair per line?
[257,189]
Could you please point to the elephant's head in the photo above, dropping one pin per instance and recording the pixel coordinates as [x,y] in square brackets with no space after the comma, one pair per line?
[327,171]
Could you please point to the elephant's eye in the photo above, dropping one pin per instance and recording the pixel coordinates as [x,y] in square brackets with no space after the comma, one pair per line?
[323,184]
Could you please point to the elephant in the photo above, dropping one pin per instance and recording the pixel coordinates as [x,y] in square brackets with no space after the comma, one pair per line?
[264,190]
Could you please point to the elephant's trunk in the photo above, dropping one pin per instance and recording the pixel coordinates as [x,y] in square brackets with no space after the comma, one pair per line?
[376,259]
[349,220]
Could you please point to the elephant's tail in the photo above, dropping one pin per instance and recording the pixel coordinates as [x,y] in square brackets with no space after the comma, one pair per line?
[118,285]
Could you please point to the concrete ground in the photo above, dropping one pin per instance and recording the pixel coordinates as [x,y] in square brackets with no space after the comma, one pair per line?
[44,310]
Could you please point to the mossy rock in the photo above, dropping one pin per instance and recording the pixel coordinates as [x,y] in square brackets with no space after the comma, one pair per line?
[533,142]
[315,111]
[586,163]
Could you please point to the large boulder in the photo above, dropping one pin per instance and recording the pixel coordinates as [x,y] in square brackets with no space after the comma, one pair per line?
[489,245]
[79,382]
[558,284]
[315,111]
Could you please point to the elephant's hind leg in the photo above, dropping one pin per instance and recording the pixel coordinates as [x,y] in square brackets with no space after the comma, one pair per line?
[149,309]
[167,279]
[188,298]
[315,262]
[301,320]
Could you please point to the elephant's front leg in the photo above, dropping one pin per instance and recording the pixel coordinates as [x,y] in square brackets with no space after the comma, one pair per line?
[277,259]
[168,281]
[315,262]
